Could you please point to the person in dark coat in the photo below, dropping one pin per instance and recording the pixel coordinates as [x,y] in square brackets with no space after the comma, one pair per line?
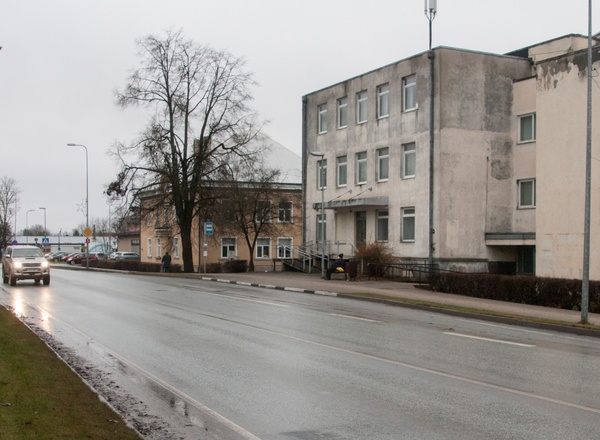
[166,262]
[339,262]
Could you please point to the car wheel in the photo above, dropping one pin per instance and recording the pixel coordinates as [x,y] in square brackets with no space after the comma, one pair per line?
[11,279]
[72,263]
[46,280]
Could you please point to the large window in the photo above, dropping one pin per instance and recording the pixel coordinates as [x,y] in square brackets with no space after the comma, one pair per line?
[228,247]
[361,168]
[409,86]
[285,211]
[408,224]
[264,212]
[383,101]
[322,174]
[149,248]
[361,107]
[284,247]
[409,160]
[175,247]
[527,128]
[342,170]
[383,164]
[158,247]
[263,248]
[382,225]
[322,121]
[321,225]
[342,112]
[527,193]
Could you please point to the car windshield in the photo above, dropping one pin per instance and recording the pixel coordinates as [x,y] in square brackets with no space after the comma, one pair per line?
[33,252]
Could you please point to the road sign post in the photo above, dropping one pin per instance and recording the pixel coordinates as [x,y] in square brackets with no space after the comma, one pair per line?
[208,230]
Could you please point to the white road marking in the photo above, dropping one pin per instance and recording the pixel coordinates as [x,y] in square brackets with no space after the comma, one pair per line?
[355,317]
[499,341]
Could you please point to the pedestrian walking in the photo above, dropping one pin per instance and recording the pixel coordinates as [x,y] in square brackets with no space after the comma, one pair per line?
[166,262]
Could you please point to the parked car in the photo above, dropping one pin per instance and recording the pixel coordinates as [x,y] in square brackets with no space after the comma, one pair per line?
[113,255]
[64,258]
[98,256]
[56,256]
[128,256]
[77,258]
[24,263]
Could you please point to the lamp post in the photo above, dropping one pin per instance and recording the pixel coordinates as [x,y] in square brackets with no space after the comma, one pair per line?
[44,227]
[430,12]
[87,205]
[27,224]
[323,224]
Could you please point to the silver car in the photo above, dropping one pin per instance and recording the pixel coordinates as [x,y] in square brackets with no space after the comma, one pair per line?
[24,263]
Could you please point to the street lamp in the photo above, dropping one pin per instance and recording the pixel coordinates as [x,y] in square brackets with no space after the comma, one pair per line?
[44,219]
[323,224]
[430,12]
[87,205]
[27,224]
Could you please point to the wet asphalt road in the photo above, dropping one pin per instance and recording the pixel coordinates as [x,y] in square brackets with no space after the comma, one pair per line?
[268,364]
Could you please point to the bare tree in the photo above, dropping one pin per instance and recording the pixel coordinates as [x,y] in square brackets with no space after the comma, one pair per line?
[200,100]
[8,202]
[247,195]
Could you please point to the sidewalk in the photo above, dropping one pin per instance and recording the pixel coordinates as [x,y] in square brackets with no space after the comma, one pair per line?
[411,296]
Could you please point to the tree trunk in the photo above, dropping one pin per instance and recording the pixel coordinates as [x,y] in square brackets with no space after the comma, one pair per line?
[185,229]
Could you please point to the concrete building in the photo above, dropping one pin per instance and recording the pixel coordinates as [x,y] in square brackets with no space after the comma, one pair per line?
[508,160]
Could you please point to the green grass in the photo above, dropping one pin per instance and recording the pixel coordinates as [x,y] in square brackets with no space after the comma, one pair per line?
[42,398]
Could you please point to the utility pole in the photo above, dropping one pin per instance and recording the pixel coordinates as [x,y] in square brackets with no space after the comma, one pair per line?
[430,12]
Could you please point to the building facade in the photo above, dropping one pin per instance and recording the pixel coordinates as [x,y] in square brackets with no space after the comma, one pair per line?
[507,163]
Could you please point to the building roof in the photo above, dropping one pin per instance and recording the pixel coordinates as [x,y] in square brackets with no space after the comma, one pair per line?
[275,155]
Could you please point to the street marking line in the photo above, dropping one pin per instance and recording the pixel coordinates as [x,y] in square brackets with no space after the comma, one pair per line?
[354,317]
[499,341]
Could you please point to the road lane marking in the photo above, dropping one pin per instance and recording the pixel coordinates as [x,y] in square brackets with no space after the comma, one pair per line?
[499,341]
[354,317]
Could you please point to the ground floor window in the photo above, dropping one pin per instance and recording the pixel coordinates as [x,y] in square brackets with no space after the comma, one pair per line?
[408,224]
[284,248]
[158,247]
[175,247]
[361,227]
[228,247]
[263,248]
[382,225]
[149,248]
[526,260]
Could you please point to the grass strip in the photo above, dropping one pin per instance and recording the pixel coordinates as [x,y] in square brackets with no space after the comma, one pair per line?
[42,398]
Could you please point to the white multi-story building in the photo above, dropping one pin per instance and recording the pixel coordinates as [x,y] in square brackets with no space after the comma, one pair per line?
[509,143]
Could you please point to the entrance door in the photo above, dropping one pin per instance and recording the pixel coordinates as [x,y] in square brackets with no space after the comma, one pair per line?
[361,227]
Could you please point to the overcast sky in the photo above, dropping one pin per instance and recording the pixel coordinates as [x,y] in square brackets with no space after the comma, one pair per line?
[62,60]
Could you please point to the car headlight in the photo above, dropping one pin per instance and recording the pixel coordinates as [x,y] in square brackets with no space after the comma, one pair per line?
[44,264]
[18,264]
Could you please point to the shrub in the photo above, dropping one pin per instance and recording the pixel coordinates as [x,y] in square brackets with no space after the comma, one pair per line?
[375,257]
[235,266]
[214,268]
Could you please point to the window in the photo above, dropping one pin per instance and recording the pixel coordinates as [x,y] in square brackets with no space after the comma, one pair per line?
[264,213]
[383,164]
[285,211]
[149,219]
[321,225]
[322,174]
[263,248]
[383,96]
[409,160]
[408,224]
[175,247]
[527,128]
[228,247]
[409,85]
[361,168]
[322,121]
[382,225]
[158,247]
[342,170]
[361,107]
[527,193]
[284,248]
[342,112]
[149,248]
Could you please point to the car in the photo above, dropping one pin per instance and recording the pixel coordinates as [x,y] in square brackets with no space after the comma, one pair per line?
[56,256]
[24,263]
[76,258]
[128,256]
[114,255]
[64,258]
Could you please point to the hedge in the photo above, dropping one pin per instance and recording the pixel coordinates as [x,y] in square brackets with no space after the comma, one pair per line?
[547,292]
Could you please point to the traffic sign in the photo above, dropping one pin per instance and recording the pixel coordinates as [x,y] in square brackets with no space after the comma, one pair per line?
[208,228]
[45,240]
[87,232]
